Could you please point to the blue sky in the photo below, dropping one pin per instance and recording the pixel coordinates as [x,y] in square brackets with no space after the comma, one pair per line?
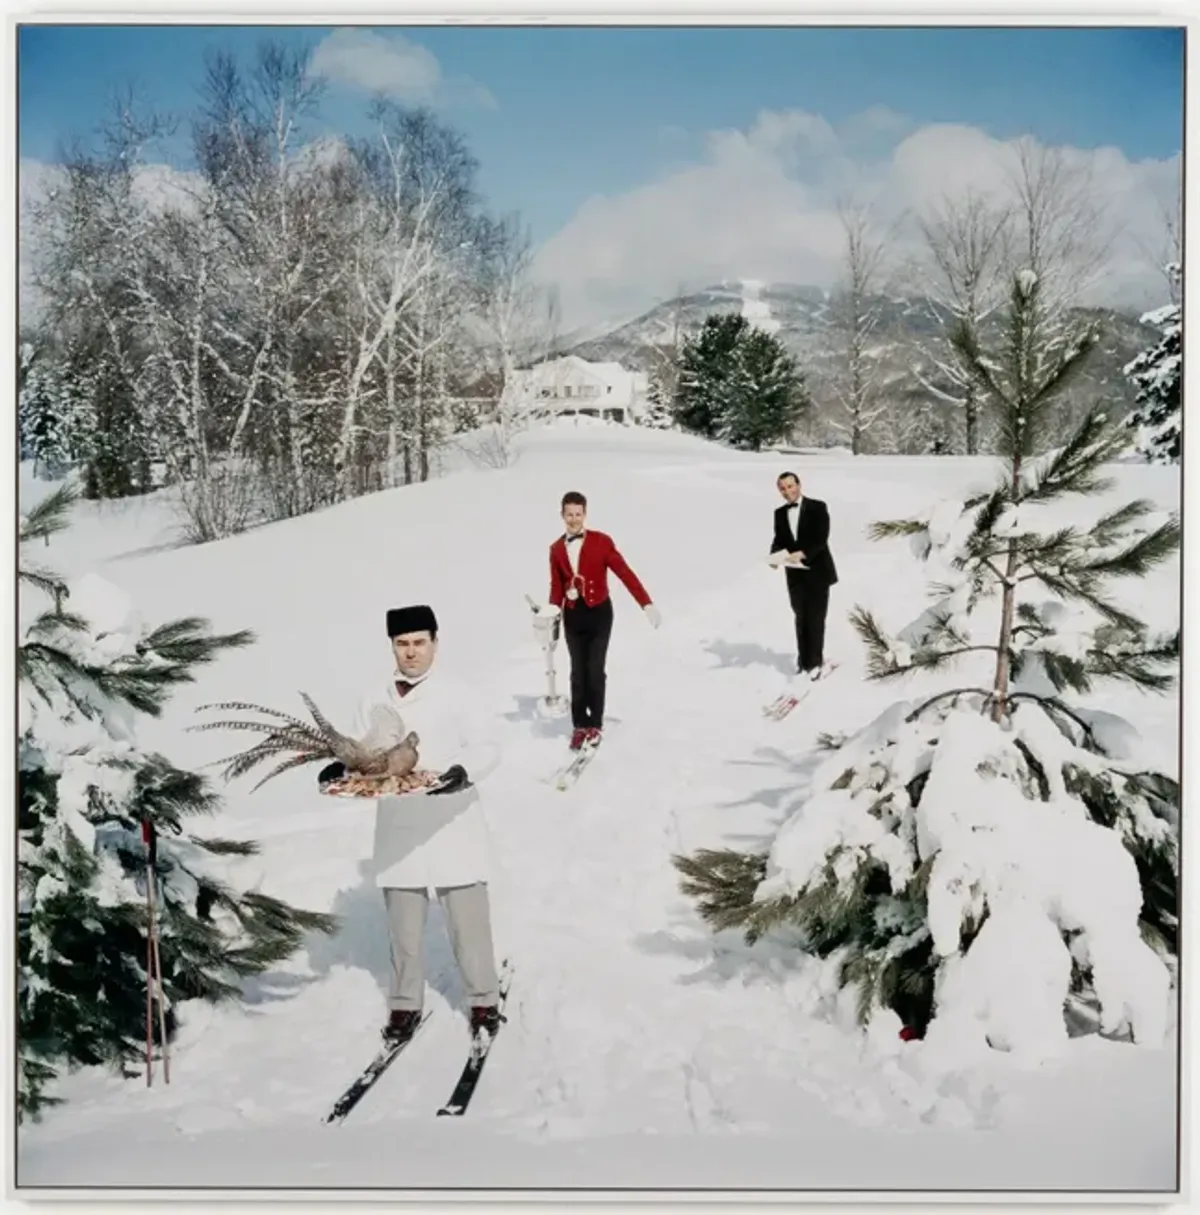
[560,116]
[590,111]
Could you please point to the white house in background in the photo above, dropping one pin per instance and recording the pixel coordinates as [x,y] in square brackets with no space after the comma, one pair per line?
[571,385]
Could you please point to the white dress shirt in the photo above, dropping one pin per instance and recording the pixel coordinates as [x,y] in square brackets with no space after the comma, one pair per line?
[794,519]
[573,547]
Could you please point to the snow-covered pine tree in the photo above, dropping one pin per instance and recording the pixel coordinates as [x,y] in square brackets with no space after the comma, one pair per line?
[766,392]
[1158,374]
[49,421]
[659,413]
[983,858]
[738,383]
[87,668]
[706,362]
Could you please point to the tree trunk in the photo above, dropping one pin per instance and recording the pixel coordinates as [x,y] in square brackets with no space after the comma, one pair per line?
[1008,603]
[295,428]
[856,405]
[393,435]
[971,414]
[419,397]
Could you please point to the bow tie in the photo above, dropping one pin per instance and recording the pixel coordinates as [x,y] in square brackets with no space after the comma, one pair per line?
[404,687]
[572,539]
[793,506]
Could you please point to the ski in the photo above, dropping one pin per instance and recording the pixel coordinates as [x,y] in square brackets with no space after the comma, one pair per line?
[783,704]
[481,1045]
[574,768]
[369,1075]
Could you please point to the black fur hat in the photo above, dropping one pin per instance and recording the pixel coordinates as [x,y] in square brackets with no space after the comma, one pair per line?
[411,620]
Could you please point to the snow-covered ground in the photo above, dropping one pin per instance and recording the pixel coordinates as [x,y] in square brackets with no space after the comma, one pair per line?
[641,1052]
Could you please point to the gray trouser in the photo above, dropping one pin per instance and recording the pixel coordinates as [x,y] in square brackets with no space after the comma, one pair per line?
[470,924]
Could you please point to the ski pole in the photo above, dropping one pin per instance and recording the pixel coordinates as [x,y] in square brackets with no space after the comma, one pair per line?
[162,1007]
[150,836]
[149,972]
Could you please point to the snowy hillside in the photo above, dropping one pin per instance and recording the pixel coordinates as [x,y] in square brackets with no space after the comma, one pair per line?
[640,1050]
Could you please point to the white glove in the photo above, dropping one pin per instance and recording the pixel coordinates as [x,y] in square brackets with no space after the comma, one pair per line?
[548,611]
[653,615]
[778,558]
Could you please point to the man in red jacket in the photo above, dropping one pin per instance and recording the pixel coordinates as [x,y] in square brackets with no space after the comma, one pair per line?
[579,565]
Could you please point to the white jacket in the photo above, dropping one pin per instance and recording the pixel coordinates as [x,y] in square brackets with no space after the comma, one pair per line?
[426,841]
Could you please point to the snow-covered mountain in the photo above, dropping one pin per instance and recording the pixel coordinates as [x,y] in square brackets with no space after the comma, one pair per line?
[802,317]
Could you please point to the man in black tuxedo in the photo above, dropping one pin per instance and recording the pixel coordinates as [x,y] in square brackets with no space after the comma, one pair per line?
[801,541]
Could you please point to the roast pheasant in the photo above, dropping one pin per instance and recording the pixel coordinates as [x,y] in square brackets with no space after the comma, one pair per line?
[393,769]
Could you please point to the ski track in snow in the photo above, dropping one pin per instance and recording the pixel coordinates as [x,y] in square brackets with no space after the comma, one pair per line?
[755,309]
[626,1014]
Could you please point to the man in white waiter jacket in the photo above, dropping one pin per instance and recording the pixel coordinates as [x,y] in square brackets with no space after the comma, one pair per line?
[436,841]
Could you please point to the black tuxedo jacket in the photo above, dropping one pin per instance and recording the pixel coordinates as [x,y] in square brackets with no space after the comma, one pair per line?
[811,539]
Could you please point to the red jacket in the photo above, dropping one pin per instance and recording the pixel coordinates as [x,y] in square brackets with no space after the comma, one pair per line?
[597,556]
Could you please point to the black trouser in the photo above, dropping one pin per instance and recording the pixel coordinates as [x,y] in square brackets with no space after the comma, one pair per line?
[587,631]
[810,605]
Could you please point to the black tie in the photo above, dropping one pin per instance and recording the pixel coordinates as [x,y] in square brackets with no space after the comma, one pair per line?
[572,539]
[404,687]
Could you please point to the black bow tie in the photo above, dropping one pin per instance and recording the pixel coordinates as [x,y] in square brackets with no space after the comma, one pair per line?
[572,539]
[793,506]
[404,687]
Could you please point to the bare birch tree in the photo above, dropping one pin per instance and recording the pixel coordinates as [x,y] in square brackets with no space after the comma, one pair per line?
[665,352]
[413,277]
[1062,229]
[511,311]
[92,232]
[291,322]
[1063,235]
[1165,253]
[394,258]
[856,322]
[274,199]
[967,244]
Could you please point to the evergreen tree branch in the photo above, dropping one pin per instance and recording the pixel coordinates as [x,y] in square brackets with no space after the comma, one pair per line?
[224,847]
[44,580]
[1056,707]
[1139,557]
[1068,588]
[49,516]
[964,340]
[187,643]
[1076,467]
[47,624]
[890,529]
[951,694]
[1137,664]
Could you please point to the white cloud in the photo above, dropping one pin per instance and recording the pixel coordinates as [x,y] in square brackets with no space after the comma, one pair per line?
[392,64]
[761,203]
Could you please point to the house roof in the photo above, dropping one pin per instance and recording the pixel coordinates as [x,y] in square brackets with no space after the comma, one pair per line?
[612,373]
[609,373]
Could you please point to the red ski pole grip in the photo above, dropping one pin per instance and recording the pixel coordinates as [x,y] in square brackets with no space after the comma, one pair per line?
[150,839]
